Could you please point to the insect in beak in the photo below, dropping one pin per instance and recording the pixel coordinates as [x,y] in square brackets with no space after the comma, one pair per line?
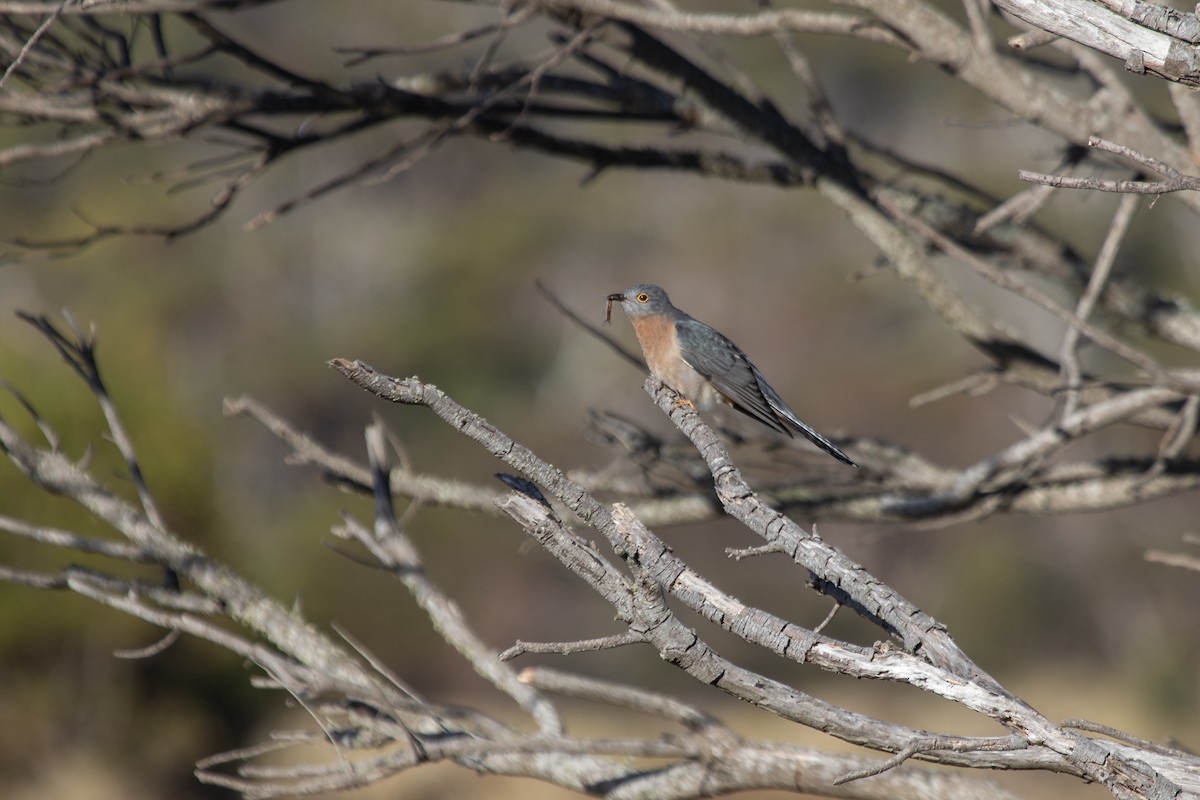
[608,307]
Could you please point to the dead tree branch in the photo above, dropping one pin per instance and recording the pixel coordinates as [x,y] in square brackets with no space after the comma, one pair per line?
[375,726]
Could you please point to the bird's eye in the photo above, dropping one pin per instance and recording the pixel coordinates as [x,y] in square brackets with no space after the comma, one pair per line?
[643,297]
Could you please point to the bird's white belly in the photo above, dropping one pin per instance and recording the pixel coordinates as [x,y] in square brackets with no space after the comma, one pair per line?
[693,386]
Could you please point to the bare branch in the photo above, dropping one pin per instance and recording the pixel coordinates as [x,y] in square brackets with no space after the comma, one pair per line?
[1175,181]
[520,648]
[760,24]
[80,353]
[1003,279]
[1181,560]
[32,41]
[1145,42]
[392,547]
[1068,353]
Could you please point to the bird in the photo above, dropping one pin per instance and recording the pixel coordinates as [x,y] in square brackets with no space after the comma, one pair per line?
[704,366]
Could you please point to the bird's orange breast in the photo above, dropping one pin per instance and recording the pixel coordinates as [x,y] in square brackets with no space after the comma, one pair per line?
[660,346]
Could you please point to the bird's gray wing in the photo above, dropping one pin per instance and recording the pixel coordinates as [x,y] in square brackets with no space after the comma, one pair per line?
[727,369]
[739,381]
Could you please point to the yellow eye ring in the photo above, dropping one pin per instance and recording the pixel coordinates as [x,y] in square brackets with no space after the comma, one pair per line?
[643,297]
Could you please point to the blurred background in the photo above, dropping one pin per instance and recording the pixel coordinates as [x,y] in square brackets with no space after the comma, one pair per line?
[432,274]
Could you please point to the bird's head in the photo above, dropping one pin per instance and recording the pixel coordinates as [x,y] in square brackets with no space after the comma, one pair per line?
[642,300]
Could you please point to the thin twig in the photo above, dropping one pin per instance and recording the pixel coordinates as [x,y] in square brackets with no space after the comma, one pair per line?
[761,24]
[612,343]
[151,650]
[1069,351]
[610,693]
[1022,289]
[32,41]
[1180,560]
[520,648]
[394,549]
[1178,434]
[80,353]
[1175,181]
[362,54]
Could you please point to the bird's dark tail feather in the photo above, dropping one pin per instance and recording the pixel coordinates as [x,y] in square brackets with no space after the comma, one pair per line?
[786,417]
[820,441]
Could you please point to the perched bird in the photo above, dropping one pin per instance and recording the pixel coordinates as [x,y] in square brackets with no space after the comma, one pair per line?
[703,366]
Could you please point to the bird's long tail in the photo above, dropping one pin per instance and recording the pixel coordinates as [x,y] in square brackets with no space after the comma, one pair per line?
[819,440]
[789,419]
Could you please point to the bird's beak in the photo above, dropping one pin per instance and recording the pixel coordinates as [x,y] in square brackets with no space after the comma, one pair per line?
[616,298]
